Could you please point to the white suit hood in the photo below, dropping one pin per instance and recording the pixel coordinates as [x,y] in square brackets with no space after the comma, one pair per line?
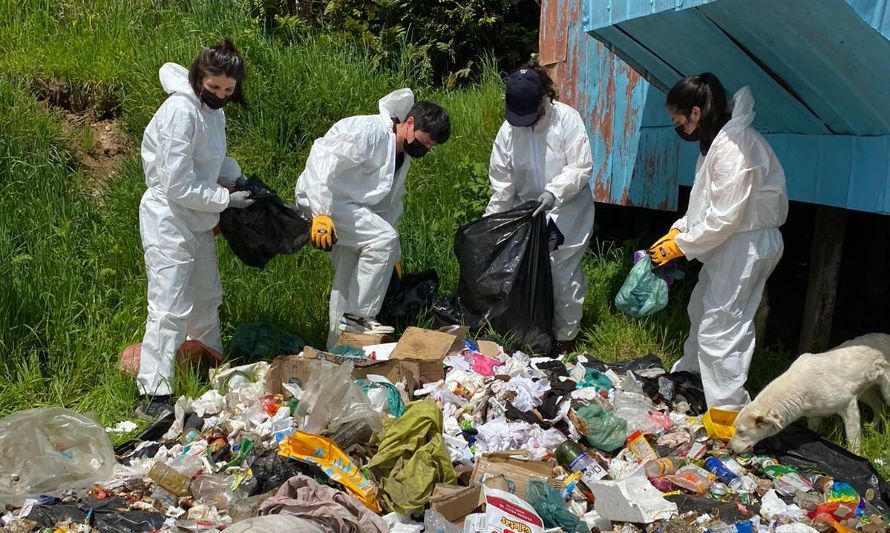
[396,104]
[742,108]
[175,80]
[739,186]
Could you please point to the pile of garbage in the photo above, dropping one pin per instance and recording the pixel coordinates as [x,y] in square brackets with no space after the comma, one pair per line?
[432,433]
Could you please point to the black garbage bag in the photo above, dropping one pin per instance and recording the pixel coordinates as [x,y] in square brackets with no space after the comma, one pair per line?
[152,433]
[667,387]
[268,227]
[637,364]
[272,471]
[729,512]
[106,515]
[806,450]
[505,278]
[407,296]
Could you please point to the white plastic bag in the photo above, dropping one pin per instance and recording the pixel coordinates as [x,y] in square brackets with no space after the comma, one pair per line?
[507,513]
[331,399]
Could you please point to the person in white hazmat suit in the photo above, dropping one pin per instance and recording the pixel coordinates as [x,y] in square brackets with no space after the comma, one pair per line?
[352,187]
[542,153]
[188,177]
[737,203]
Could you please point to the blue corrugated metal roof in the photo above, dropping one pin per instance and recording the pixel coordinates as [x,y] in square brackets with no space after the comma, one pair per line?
[816,67]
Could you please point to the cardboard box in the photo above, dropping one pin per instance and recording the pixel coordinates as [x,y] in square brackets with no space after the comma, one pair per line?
[516,469]
[428,345]
[455,502]
[289,367]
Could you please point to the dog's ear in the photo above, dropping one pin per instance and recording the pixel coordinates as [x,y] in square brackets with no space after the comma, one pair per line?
[765,421]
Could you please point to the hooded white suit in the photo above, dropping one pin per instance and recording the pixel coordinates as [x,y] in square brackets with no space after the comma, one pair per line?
[351,176]
[183,155]
[737,203]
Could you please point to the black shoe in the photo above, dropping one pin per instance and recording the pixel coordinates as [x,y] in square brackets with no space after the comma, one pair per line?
[155,407]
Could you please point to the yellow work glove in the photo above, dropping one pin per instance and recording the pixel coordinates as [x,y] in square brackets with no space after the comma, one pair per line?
[398,267]
[665,249]
[323,234]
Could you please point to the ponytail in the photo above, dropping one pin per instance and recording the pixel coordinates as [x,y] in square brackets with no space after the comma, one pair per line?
[705,92]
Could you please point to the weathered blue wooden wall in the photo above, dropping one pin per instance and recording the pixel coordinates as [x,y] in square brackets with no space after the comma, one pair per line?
[610,96]
[819,72]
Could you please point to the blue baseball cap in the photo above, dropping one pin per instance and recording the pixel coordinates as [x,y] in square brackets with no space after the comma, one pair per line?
[523,97]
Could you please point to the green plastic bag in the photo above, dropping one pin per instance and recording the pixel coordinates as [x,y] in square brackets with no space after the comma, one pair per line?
[605,431]
[259,340]
[349,351]
[644,292]
[550,506]
[394,402]
[595,378]
[412,458]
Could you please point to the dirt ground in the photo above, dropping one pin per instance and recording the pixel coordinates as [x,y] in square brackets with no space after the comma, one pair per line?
[97,137]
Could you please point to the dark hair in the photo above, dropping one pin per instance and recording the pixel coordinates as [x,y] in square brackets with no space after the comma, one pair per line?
[706,92]
[546,80]
[220,59]
[432,119]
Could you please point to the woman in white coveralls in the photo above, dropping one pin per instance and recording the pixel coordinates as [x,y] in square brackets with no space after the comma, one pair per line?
[737,203]
[188,177]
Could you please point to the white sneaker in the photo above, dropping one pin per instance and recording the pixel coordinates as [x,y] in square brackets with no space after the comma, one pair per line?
[357,324]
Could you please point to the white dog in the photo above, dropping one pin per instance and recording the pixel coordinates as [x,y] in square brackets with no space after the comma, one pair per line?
[817,385]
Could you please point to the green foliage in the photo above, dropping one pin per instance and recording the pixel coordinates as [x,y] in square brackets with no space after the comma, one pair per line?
[442,40]
[472,192]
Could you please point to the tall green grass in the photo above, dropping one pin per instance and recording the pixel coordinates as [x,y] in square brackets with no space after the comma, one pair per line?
[73,283]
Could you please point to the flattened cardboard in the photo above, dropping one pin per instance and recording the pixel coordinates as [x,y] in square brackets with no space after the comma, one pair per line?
[489,348]
[455,502]
[460,333]
[287,367]
[423,344]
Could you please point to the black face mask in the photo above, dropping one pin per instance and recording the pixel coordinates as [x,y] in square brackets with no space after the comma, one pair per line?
[212,101]
[415,148]
[695,136]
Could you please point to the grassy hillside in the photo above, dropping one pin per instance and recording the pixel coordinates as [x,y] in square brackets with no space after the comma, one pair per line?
[73,290]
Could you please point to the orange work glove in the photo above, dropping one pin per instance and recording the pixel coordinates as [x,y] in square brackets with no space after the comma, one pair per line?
[665,249]
[323,234]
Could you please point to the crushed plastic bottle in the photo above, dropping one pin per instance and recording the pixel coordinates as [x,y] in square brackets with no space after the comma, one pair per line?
[663,466]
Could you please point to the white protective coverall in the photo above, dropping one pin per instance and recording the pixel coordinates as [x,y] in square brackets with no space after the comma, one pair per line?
[737,203]
[351,176]
[183,155]
[554,156]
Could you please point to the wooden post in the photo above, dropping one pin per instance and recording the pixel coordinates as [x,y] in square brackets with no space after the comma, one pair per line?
[825,267]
